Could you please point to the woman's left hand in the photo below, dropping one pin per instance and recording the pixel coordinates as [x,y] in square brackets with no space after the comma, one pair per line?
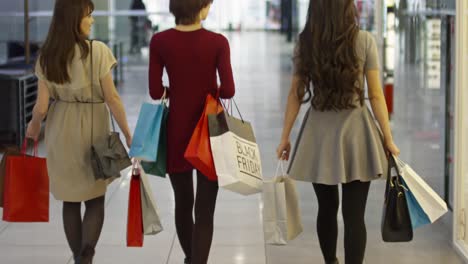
[129,140]
[33,131]
[392,148]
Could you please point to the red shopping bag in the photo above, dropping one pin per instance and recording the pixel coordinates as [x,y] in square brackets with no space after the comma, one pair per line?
[135,217]
[26,188]
[9,152]
[198,151]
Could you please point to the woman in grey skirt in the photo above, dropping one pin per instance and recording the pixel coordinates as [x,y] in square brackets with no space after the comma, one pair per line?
[339,142]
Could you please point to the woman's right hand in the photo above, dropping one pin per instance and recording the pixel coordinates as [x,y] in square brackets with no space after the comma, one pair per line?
[283,150]
[33,131]
[392,148]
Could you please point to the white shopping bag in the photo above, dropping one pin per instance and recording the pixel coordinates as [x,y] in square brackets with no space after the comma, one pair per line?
[281,214]
[151,220]
[236,154]
[432,204]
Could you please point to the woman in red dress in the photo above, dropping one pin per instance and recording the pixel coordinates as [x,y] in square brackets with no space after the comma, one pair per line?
[191,56]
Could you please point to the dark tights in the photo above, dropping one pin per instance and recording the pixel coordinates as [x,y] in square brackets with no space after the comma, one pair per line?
[353,209]
[83,233]
[195,237]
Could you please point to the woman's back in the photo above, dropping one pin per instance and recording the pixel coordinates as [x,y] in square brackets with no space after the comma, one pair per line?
[341,146]
[78,89]
[366,59]
[192,60]
[77,108]
[367,54]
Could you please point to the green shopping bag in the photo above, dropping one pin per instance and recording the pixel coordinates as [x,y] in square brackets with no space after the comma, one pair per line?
[158,167]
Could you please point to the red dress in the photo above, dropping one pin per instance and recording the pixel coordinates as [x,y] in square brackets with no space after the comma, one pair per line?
[191,60]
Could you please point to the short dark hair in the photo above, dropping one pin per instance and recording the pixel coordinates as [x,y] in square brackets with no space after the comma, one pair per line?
[186,11]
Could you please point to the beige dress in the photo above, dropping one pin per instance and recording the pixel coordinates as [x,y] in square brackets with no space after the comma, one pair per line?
[344,146]
[68,126]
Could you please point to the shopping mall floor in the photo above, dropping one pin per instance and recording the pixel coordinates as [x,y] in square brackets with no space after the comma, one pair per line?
[262,67]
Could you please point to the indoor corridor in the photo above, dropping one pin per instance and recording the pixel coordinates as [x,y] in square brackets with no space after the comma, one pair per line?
[262,68]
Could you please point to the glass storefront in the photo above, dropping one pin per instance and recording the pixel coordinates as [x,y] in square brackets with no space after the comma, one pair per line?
[425,45]
[113,18]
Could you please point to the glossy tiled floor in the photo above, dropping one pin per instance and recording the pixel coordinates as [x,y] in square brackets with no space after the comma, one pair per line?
[262,66]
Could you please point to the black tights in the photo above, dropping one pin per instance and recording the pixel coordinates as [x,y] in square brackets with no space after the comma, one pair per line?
[195,238]
[83,233]
[353,209]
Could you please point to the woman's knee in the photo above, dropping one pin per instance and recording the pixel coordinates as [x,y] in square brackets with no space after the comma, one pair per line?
[354,216]
[328,199]
[205,217]
[71,206]
[96,203]
[354,203]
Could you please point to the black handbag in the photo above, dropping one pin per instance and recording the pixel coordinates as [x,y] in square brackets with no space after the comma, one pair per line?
[109,156]
[396,221]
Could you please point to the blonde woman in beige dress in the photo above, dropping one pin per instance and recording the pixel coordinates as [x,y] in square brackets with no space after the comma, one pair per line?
[64,72]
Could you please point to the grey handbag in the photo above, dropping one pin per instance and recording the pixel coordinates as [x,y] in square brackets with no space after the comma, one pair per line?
[109,156]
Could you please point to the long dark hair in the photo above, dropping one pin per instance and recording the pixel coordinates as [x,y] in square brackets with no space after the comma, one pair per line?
[64,33]
[325,56]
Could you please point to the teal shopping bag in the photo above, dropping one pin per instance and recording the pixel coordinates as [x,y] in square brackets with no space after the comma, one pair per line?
[418,217]
[158,167]
[147,132]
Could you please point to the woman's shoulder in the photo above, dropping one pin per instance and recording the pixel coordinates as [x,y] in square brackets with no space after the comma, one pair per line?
[216,38]
[161,36]
[365,35]
[169,34]
[365,39]
[215,35]
[94,42]
[99,46]
[100,51]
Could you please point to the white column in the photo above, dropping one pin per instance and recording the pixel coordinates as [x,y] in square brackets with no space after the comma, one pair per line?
[460,235]
[111,5]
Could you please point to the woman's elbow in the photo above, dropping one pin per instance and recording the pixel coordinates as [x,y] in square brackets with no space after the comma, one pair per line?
[228,93]
[113,99]
[156,95]
[41,111]
[377,98]
[153,95]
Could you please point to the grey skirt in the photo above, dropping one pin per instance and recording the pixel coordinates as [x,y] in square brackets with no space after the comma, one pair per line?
[338,147]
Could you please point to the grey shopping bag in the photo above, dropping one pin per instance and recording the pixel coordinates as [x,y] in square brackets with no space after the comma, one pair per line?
[151,220]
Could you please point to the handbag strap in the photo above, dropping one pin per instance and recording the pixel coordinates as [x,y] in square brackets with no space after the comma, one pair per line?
[392,163]
[92,90]
[228,106]
[238,111]
[92,94]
